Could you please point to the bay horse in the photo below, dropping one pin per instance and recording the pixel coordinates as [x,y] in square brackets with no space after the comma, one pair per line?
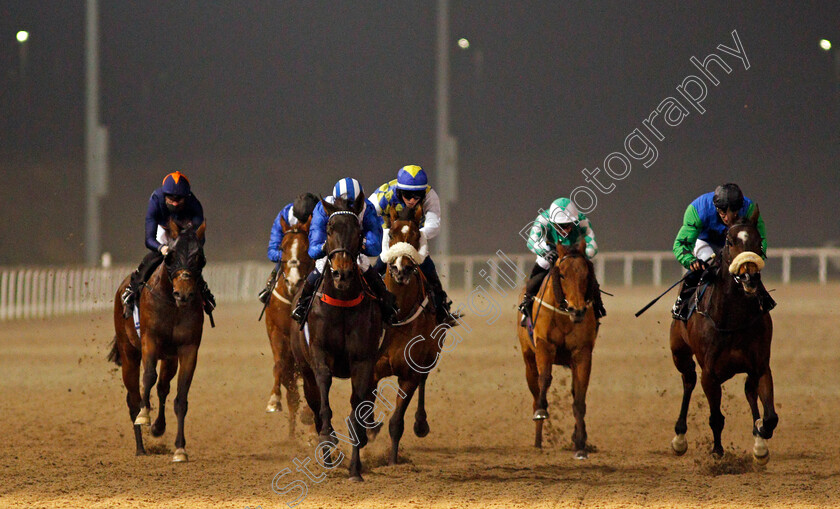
[171,322]
[296,265]
[729,333]
[417,318]
[342,334]
[564,332]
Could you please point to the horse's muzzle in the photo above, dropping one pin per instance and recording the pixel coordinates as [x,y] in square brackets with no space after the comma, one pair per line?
[749,282]
[182,298]
[578,314]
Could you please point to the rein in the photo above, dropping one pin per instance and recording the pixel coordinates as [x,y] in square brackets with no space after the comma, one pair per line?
[704,312]
[563,310]
[419,308]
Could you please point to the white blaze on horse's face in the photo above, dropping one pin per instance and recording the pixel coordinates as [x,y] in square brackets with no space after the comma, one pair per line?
[405,229]
[744,236]
[294,273]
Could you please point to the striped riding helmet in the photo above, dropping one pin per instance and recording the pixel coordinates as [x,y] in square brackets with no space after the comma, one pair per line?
[412,178]
[176,184]
[347,188]
[563,211]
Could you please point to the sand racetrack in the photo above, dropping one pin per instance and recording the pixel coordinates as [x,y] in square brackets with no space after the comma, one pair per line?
[67,439]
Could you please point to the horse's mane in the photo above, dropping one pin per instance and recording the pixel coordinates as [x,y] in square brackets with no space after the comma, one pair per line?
[406,214]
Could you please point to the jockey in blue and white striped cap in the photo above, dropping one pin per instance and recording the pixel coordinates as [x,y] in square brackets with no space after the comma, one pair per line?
[348,189]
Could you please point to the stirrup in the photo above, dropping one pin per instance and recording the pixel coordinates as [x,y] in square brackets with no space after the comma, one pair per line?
[264,295]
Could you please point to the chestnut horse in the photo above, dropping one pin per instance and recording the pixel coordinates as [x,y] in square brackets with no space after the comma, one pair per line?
[564,332]
[729,333]
[341,337]
[296,265]
[401,354]
[171,322]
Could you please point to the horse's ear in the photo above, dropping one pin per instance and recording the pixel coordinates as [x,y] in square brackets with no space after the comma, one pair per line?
[329,208]
[754,216]
[393,214]
[581,245]
[359,203]
[307,223]
[418,213]
[200,231]
[285,226]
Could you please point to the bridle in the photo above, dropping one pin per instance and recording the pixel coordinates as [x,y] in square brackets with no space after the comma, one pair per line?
[564,308]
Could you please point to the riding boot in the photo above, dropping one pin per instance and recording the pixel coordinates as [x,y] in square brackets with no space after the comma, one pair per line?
[309,287]
[387,300]
[598,303]
[689,286]
[265,293]
[764,299]
[129,294]
[441,301]
[138,278]
[207,296]
[531,288]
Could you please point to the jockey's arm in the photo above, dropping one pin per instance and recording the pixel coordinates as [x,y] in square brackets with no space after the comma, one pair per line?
[431,214]
[318,233]
[588,233]
[372,226]
[761,229]
[687,237]
[276,238]
[152,221]
[538,236]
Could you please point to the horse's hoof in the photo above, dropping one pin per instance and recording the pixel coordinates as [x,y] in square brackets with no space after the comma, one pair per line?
[180,456]
[356,478]
[143,418]
[717,455]
[273,404]
[158,430]
[761,453]
[679,444]
[140,452]
[421,429]
[540,414]
[306,417]
[581,455]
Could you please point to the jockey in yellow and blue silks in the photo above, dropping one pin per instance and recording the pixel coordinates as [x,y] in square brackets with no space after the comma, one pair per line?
[173,199]
[296,212]
[411,187]
[562,224]
[703,233]
[349,189]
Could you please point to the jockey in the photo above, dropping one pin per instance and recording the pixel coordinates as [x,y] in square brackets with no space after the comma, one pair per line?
[172,200]
[407,190]
[703,233]
[349,189]
[299,211]
[562,225]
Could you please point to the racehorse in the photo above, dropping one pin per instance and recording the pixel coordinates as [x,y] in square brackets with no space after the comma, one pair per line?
[401,354]
[341,337]
[564,332]
[171,322]
[296,264]
[729,333]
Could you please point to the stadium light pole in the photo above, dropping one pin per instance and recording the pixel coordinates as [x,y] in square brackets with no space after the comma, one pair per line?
[445,144]
[96,137]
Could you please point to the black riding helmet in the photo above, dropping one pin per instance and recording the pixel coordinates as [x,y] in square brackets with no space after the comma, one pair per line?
[303,206]
[728,197]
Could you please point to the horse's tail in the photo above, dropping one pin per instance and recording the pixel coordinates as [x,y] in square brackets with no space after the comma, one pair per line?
[114,354]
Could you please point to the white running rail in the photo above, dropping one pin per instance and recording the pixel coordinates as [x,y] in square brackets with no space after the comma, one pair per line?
[40,292]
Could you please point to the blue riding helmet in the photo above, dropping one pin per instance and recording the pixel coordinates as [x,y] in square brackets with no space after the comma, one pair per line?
[348,188]
[176,184]
[412,178]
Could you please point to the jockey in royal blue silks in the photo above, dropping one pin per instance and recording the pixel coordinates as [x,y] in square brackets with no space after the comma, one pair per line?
[173,199]
[349,189]
[296,212]
[411,187]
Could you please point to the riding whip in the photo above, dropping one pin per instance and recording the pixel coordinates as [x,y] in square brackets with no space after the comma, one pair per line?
[270,285]
[651,303]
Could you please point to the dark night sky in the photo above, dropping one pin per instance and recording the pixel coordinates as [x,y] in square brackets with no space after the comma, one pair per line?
[259,101]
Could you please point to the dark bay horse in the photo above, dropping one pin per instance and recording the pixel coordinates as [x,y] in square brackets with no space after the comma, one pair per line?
[171,322]
[564,333]
[296,265]
[401,354]
[342,334]
[729,333]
